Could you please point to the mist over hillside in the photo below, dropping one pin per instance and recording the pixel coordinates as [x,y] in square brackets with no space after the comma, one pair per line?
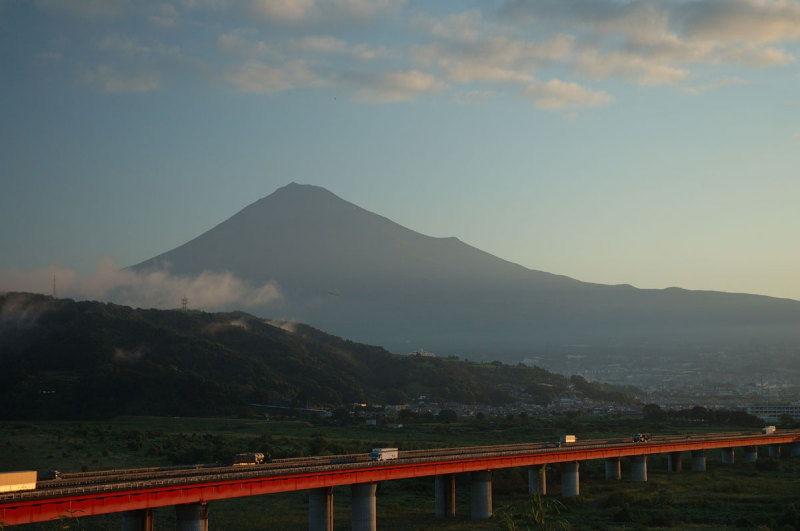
[359,275]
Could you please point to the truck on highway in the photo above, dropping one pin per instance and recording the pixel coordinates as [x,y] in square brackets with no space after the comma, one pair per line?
[253,458]
[383,454]
[768,430]
[566,439]
[16,481]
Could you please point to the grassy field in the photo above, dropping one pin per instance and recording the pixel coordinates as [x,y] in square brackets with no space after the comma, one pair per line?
[765,493]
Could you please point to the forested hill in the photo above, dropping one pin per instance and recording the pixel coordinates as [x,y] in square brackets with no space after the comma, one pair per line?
[65,359]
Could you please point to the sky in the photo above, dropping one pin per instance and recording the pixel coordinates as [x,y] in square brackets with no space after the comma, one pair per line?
[640,142]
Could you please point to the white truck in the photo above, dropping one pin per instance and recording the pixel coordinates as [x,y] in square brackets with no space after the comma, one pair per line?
[383,454]
[768,430]
[566,439]
[14,481]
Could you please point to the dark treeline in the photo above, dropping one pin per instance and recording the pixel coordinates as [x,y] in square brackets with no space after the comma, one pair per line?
[699,414]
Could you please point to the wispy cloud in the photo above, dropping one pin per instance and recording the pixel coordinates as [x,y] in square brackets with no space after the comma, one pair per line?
[300,12]
[164,15]
[561,95]
[715,84]
[392,87]
[157,289]
[388,51]
[257,77]
[286,10]
[754,21]
[85,8]
[108,79]
[326,44]
[246,43]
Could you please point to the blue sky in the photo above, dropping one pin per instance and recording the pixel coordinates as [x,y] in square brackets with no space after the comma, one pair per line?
[649,143]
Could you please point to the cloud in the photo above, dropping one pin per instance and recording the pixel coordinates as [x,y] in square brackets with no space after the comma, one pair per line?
[561,95]
[468,49]
[19,311]
[469,26]
[259,78]
[297,12]
[156,289]
[629,66]
[325,44]
[657,43]
[715,84]
[205,4]
[85,8]
[216,328]
[473,96]
[366,9]
[755,56]
[164,15]
[122,355]
[123,45]
[286,10]
[393,87]
[269,46]
[108,79]
[243,42]
[288,326]
[49,57]
[753,21]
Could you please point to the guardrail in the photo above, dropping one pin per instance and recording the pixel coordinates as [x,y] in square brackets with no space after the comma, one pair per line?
[302,473]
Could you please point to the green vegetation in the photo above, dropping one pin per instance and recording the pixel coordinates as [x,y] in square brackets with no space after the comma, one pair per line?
[61,359]
[764,493]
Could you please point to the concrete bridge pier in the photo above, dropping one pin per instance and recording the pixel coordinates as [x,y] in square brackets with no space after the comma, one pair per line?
[698,460]
[750,454]
[365,516]
[727,456]
[639,468]
[613,468]
[320,509]
[445,491]
[481,492]
[795,451]
[774,450]
[570,479]
[674,463]
[141,520]
[191,517]
[537,479]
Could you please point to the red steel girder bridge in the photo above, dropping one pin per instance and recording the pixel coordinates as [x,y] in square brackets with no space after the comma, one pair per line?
[103,492]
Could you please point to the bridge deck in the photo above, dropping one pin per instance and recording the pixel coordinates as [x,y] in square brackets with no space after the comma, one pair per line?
[124,490]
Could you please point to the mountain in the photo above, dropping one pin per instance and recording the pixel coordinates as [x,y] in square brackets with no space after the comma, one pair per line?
[65,359]
[359,275]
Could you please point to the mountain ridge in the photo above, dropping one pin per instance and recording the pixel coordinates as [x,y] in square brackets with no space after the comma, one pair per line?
[360,275]
[65,359]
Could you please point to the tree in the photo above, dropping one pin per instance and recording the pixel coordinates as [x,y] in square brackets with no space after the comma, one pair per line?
[653,412]
[318,445]
[395,397]
[698,413]
[447,415]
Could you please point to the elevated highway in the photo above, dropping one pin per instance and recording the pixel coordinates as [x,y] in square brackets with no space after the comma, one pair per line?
[135,492]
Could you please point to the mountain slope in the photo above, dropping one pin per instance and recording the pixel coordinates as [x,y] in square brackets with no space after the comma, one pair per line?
[65,359]
[362,276]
